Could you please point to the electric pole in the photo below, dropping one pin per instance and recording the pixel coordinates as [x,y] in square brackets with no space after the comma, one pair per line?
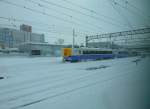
[73,41]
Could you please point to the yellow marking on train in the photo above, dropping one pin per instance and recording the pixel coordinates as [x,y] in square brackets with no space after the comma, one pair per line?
[67,52]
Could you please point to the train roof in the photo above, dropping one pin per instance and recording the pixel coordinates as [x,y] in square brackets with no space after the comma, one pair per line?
[86,48]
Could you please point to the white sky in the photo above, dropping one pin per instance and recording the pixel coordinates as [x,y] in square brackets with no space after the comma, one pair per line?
[138,16]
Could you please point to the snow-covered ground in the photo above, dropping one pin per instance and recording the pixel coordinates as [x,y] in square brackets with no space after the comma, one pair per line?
[47,83]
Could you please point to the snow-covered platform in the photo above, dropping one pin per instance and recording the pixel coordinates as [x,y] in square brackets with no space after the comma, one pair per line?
[47,83]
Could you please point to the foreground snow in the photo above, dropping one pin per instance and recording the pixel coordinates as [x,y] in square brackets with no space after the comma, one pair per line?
[47,83]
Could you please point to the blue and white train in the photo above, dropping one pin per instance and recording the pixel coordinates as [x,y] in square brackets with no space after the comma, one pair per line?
[84,54]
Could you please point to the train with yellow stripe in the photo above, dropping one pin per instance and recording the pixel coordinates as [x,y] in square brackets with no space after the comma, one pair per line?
[84,54]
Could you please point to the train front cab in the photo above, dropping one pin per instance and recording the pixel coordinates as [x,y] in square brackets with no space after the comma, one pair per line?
[66,53]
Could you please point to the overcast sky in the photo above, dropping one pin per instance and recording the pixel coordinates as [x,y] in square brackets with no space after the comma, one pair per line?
[85,16]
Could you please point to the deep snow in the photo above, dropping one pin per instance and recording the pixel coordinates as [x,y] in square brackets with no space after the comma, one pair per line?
[47,83]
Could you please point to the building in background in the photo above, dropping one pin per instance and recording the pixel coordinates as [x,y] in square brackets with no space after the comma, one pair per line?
[41,49]
[6,39]
[11,38]
[27,42]
[26,28]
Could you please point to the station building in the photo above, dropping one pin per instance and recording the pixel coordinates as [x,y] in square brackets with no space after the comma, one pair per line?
[41,49]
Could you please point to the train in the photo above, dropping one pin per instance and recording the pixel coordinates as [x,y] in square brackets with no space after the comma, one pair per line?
[85,54]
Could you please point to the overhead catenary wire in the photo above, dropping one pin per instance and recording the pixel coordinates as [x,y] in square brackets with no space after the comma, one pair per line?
[46,14]
[37,28]
[85,14]
[138,10]
[45,30]
[113,4]
[133,12]
[18,20]
[63,13]
[33,10]
[94,12]
[40,23]
[29,21]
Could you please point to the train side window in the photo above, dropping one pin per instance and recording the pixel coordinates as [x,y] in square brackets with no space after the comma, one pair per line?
[79,51]
[84,52]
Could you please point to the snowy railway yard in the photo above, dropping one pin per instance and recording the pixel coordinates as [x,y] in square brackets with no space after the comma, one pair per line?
[47,83]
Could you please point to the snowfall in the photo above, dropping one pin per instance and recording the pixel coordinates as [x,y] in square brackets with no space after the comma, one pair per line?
[48,83]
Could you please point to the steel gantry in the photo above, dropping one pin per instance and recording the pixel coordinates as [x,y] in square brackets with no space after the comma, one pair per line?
[118,34]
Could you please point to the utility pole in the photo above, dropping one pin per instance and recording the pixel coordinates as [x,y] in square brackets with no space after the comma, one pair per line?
[73,41]
[86,41]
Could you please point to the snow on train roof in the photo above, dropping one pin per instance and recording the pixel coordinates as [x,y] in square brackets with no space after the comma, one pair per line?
[85,48]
